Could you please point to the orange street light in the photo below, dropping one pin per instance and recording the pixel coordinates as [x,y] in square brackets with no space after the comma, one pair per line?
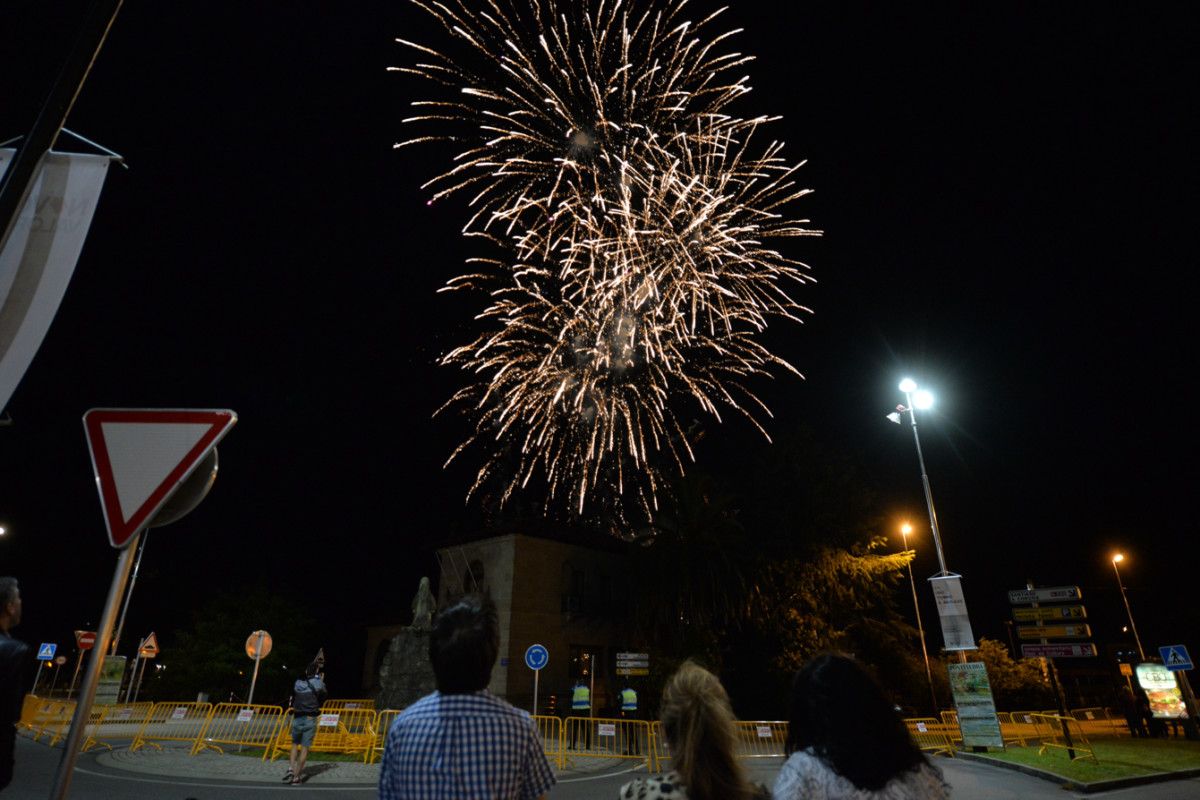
[905,530]
[1116,559]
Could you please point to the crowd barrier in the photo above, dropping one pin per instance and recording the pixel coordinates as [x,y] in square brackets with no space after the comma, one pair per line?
[1053,730]
[172,722]
[383,724]
[348,731]
[334,706]
[932,735]
[597,737]
[239,724]
[761,739]
[549,730]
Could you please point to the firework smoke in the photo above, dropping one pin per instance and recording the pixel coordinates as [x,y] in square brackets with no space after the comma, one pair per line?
[632,213]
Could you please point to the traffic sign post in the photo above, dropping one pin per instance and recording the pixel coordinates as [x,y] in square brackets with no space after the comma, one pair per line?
[1175,657]
[536,657]
[45,653]
[633,664]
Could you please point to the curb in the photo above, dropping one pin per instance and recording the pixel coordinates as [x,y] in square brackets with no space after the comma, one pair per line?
[1080,786]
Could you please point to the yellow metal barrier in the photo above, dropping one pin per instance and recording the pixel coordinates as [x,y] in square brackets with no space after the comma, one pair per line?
[120,723]
[346,732]
[334,706]
[594,737]
[57,723]
[761,739]
[1099,722]
[172,722]
[383,724]
[240,724]
[549,730]
[39,714]
[1052,730]
[931,735]
[950,720]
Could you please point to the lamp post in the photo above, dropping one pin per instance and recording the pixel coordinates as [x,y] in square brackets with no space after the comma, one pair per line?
[950,599]
[905,530]
[1116,559]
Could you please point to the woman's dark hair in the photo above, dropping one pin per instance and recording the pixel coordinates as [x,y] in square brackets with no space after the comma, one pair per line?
[839,710]
[463,645]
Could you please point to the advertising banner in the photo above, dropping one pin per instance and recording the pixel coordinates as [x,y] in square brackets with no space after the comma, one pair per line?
[112,671]
[976,707]
[39,257]
[952,611]
[1166,701]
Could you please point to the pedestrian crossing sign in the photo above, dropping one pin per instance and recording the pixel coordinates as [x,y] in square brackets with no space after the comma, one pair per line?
[1174,657]
[46,651]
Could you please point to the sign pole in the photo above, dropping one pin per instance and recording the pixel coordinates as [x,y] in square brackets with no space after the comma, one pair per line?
[132,675]
[37,678]
[535,690]
[137,564]
[141,675]
[53,683]
[1058,695]
[83,708]
[257,660]
[75,677]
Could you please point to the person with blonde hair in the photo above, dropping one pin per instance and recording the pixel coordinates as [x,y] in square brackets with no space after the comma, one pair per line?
[698,724]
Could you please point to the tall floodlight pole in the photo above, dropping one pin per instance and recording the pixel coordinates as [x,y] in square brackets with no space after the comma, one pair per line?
[905,530]
[1116,559]
[951,606]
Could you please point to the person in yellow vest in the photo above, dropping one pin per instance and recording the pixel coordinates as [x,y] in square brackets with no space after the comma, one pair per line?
[581,706]
[629,709]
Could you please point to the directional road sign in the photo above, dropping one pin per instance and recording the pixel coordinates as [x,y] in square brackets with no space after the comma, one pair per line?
[633,664]
[46,651]
[536,657]
[1086,650]
[1054,632]
[141,456]
[1051,594]
[1049,613]
[1174,657]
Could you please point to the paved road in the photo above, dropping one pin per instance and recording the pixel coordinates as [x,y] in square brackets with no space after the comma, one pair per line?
[97,778]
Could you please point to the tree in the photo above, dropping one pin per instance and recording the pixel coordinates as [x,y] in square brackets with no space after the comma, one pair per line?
[1015,684]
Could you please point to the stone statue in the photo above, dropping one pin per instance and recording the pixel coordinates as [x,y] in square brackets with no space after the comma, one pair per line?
[423,606]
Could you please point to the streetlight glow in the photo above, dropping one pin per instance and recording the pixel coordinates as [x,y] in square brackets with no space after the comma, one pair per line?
[923,399]
[905,529]
[908,385]
[1118,558]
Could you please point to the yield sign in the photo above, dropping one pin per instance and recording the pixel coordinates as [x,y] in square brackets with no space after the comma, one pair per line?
[140,456]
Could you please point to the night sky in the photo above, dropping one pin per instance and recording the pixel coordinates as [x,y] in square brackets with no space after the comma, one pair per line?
[1009,199]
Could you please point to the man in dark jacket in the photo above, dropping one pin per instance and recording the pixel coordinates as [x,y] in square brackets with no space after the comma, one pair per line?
[14,663]
[307,695]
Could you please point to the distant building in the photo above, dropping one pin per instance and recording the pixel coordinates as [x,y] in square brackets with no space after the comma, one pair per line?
[572,598]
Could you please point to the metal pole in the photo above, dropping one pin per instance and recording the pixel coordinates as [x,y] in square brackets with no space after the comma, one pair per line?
[132,675]
[592,691]
[937,538]
[75,677]
[1136,638]
[1058,695]
[257,660]
[18,180]
[141,674]
[535,691]
[37,677]
[137,564]
[921,630]
[83,708]
[53,683]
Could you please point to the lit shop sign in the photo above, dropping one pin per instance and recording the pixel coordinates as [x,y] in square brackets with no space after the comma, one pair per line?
[1166,701]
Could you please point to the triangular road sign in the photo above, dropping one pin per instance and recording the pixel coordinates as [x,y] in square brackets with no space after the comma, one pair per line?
[149,646]
[140,456]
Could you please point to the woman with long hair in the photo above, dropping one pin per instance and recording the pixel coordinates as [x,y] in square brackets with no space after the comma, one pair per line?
[697,722]
[846,741]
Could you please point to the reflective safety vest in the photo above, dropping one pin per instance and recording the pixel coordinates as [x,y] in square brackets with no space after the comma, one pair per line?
[628,700]
[581,697]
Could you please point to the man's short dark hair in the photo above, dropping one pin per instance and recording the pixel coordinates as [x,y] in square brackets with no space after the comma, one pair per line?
[463,645]
[312,670]
[8,590]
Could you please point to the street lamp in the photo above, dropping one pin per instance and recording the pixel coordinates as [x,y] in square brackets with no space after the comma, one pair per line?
[1116,559]
[905,530]
[922,399]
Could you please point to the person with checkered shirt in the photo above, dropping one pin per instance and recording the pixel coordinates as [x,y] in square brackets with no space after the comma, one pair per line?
[462,741]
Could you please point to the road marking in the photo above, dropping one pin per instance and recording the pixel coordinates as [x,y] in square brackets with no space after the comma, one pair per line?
[259,786]
[601,777]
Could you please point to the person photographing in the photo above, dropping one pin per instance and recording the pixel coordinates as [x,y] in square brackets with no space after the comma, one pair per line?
[308,693]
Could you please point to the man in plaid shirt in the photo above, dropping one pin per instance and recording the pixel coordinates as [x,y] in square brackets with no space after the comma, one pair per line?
[462,742]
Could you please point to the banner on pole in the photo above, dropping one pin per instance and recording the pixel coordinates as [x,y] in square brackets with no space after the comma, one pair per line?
[39,258]
[952,611]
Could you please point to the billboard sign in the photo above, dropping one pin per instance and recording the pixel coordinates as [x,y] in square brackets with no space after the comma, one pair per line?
[1162,690]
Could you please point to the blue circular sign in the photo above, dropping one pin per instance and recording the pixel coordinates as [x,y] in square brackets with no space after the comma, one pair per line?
[536,657]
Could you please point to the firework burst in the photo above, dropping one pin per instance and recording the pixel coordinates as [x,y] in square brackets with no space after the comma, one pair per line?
[633,215]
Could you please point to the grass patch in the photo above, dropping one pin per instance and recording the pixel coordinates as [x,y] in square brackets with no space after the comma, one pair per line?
[1118,758]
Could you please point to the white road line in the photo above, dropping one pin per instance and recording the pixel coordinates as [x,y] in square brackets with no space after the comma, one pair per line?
[600,777]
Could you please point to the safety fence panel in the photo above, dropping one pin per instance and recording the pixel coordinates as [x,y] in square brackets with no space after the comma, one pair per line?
[1017,727]
[172,722]
[59,723]
[931,734]
[950,720]
[242,725]
[1099,721]
[549,730]
[659,752]
[344,732]
[121,723]
[1053,731]
[334,706]
[761,739]
[383,724]
[39,715]
[595,737]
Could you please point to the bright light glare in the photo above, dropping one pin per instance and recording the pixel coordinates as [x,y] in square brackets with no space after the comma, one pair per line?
[908,385]
[923,399]
[1118,558]
[906,529]
[3,530]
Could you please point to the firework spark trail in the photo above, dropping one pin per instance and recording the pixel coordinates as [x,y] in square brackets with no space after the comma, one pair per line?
[632,210]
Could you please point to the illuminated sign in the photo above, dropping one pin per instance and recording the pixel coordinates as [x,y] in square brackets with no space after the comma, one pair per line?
[1166,701]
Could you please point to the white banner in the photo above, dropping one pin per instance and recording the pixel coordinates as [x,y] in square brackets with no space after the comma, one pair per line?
[952,611]
[39,258]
